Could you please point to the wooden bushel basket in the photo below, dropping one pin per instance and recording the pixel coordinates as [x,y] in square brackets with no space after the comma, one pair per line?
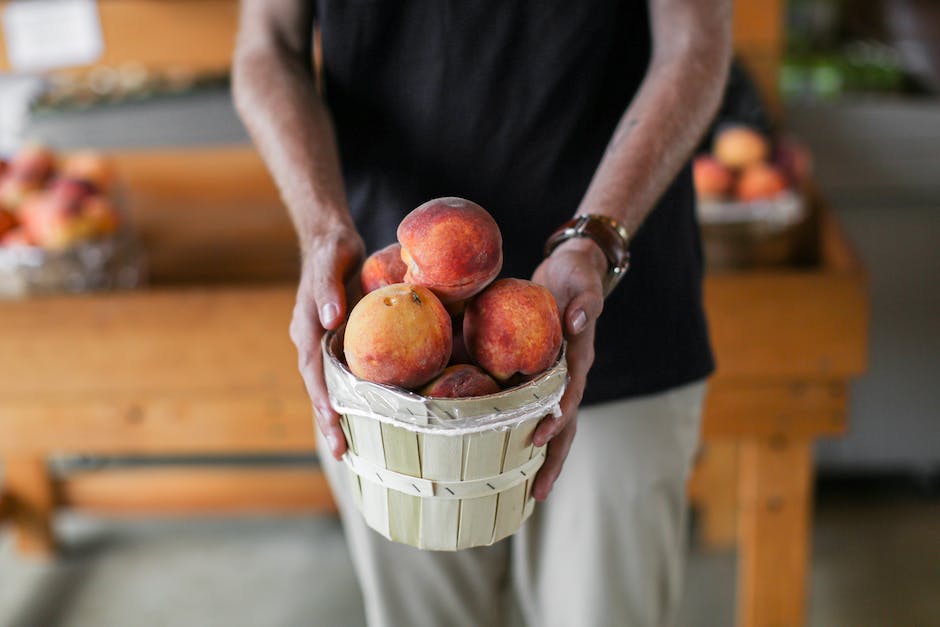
[436,473]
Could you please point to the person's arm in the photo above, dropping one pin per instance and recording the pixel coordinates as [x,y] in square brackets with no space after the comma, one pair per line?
[655,137]
[275,95]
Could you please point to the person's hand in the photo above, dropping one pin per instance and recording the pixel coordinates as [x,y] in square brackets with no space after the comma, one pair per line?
[329,284]
[573,273]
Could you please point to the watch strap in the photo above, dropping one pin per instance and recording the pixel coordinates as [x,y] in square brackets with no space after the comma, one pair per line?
[609,235]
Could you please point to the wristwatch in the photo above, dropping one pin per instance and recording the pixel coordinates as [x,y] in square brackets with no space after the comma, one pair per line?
[609,235]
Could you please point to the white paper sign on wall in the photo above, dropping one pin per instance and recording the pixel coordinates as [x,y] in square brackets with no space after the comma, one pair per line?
[48,34]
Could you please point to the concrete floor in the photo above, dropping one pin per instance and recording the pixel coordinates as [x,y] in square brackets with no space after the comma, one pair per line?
[876,562]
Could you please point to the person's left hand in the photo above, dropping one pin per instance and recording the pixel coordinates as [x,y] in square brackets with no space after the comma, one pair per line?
[573,273]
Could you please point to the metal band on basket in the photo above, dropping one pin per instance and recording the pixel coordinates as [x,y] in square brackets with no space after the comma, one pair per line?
[429,488]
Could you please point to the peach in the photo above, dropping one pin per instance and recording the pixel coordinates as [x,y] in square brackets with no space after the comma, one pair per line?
[461,381]
[52,225]
[712,180]
[100,211]
[16,237]
[451,246]
[383,267]
[7,221]
[513,329]
[91,167]
[398,335]
[760,181]
[15,190]
[737,147]
[69,192]
[33,162]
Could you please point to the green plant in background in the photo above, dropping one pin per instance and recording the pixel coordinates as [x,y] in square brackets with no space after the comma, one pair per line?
[825,60]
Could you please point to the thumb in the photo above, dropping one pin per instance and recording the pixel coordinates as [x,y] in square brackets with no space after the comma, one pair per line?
[330,295]
[582,311]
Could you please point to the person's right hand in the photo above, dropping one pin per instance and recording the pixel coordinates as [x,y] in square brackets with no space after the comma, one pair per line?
[329,284]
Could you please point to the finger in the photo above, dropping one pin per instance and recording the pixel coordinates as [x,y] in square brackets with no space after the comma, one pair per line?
[554,460]
[583,310]
[580,357]
[306,335]
[330,296]
[327,418]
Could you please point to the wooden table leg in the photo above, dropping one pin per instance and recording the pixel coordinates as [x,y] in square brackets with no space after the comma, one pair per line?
[774,525]
[30,488]
[715,493]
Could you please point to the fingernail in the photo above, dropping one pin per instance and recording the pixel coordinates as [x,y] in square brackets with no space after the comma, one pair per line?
[328,313]
[580,319]
[331,441]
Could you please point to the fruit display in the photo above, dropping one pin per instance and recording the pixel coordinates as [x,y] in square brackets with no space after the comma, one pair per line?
[60,224]
[434,320]
[742,167]
[750,201]
[55,203]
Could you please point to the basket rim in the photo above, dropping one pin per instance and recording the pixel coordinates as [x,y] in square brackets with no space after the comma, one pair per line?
[414,411]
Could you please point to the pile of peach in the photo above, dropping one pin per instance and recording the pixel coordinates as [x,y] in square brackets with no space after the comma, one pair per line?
[55,202]
[740,167]
[433,320]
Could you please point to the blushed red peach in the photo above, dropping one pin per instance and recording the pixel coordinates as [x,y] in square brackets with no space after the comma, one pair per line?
[16,237]
[7,223]
[398,335]
[55,226]
[513,328]
[461,381]
[451,246]
[383,267]
[760,181]
[712,180]
[91,167]
[32,162]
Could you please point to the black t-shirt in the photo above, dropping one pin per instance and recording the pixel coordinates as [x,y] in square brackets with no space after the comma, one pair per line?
[511,104]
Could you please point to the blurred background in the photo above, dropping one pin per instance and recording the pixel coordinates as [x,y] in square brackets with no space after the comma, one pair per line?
[156,463]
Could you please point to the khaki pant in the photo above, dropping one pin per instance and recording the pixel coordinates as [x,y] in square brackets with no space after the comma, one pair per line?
[606,548]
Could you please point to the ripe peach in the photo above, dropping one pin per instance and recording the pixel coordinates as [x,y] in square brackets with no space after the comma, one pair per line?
[33,162]
[16,237]
[15,190]
[398,335]
[7,222]
[760,181]
[740,146]
[100,211]
[461,381]
[451,246]
[52,225]
[712,180]
[513,328]
[383,267]
[91,167]
[69,192]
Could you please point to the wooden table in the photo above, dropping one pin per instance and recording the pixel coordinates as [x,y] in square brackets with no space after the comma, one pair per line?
[200,363]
